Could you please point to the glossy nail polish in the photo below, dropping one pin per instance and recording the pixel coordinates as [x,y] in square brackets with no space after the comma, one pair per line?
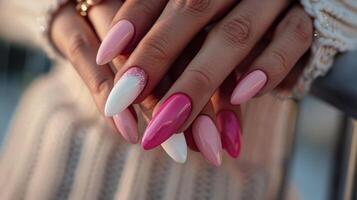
[207,139]
[176,147]
[248,87]
[230,130]
[117,39]
[167,121]
[127,126]
[190,141]
[125,91]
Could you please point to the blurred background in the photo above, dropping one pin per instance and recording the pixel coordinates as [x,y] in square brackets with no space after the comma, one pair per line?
[311,169]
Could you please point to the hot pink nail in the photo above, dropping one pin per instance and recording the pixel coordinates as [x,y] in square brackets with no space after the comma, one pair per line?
[167,121]
[190,140]
[248,87]
[207,139]
[115,42]
[230,129]
[127,126]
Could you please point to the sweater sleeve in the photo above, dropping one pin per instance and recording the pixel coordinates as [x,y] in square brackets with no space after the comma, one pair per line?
[28,21]
[335,23]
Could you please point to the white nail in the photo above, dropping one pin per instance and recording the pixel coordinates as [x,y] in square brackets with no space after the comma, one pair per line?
[125,91]
[176,147]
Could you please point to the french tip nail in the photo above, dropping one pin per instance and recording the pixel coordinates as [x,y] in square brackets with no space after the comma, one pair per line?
[176,147]
[125,91]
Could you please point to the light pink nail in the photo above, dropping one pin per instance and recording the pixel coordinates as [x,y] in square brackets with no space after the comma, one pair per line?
[248,87]
[127,126]
[115,42]
[207,139]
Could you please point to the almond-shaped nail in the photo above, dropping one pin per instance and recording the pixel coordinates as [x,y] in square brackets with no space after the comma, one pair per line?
[176,147]
[207,139]
[229,126]
[127,126]
[190,141]
[125,91]
[248,87]
[117,39]
[167,121]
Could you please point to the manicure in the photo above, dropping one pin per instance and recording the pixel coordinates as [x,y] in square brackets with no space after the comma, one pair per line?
[207,139]
[176,147]
[117,39]
[167,121]
[127,126]
[248,87]
[230,129]
[125,91]
[190,140]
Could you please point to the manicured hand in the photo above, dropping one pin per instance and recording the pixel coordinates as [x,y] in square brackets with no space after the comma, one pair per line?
[227,45]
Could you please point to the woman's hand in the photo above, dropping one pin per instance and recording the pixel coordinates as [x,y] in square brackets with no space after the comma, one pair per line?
[78,39]
[227,45]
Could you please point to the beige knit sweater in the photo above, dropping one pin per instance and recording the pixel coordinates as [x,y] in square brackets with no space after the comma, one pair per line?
[59,147]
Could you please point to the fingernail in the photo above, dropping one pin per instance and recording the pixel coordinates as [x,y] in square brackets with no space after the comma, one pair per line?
[176,147]
[190,141]
[230,130]
[207,139]
[127,126]
[115,42]
[171,115]
[248,87]
[125,91]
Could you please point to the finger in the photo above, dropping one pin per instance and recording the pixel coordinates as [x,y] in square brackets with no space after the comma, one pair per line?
[101,15]
[225,47]
[129,25]
[291,40]
[228,118]
[206,135]
[156,52]
[76,40]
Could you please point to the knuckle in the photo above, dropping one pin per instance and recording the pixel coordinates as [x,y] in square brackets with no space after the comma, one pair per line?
[100,85]
[237,31]
[157,48]
[201,79]
[279,56]
[301,27]
[193,6]
[147,7]
[77,43]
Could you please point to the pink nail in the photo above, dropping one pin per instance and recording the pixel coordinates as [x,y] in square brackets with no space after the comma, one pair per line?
[248,87]
[127,126]
[207,139]
[115,42]
[190,140]
[167,121]
[230,129]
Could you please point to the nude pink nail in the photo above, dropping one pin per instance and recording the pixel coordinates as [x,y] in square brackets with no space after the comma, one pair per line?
[117,39]
[230,129]
[167,121]
[127,126]
[207,139]
[248,87]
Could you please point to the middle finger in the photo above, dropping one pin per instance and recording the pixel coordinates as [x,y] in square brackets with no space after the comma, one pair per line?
[227,45]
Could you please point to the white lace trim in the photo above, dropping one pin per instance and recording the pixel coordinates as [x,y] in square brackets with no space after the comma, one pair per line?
[335,23]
